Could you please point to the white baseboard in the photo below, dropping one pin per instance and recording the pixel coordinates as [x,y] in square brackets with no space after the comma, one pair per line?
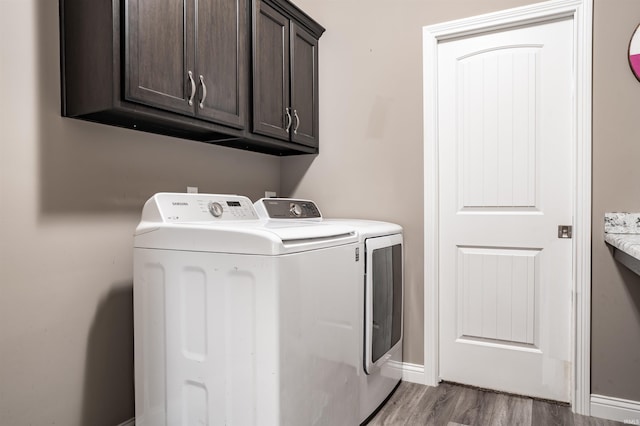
[130,422]
[618,409]
[413,373]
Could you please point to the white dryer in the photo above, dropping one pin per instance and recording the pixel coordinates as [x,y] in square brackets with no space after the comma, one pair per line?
[380,285]
[383,304]
[242,321]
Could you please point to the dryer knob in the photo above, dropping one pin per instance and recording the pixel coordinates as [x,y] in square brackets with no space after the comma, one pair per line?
[295,209]
[215,209]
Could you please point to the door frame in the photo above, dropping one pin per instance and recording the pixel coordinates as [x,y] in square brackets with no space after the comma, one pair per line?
[581,13]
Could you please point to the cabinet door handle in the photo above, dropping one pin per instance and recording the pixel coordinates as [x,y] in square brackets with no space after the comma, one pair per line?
[204,92]
[295,115]
[193,88]
[288,125]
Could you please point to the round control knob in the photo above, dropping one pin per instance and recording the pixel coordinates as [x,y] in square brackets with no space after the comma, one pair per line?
[215,209]
[295,210]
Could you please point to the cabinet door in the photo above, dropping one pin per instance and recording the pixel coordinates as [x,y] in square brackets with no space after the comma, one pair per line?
[159,50]
[304,86]
[270,72]
[221,61]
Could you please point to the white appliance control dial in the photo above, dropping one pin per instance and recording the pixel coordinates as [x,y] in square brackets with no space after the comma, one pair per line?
[215,208]
[295,209]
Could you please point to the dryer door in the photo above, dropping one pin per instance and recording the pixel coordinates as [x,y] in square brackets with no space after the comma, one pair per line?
[383,299]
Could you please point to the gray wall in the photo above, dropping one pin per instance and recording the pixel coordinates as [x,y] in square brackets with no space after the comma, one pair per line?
[615,354]
[71,194]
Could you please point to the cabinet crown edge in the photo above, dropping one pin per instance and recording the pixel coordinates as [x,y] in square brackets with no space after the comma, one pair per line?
[292,11]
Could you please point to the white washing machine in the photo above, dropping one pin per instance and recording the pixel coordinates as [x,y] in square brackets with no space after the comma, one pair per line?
[380,284]
[242,321]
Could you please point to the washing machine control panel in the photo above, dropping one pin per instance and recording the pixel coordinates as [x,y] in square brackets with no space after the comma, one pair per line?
[287,208]
[177,207]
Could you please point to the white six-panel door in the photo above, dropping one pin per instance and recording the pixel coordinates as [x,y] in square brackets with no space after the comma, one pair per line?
[505,135]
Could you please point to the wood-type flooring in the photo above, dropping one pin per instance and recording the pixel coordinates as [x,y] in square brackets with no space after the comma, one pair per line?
[454,405]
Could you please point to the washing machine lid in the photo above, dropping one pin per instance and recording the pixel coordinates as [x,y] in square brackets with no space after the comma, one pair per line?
[228,224]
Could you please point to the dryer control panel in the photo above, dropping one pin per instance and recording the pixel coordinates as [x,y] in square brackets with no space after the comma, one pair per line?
[287,208]
[180,207]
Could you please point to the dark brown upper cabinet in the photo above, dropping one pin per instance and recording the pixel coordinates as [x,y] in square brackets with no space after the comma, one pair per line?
[285,72]
[188,57]
[181,68]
